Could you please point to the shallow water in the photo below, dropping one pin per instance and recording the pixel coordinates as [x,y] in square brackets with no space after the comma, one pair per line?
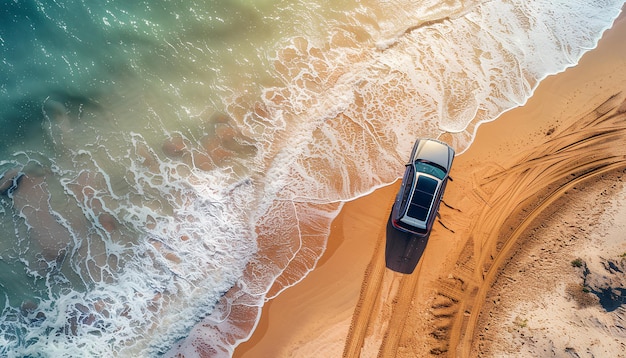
[166,163]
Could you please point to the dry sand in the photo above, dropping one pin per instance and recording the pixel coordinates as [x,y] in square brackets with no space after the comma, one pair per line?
[537,306]
[495,283]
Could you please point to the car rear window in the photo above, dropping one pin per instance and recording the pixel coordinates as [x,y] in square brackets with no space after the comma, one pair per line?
[422,198]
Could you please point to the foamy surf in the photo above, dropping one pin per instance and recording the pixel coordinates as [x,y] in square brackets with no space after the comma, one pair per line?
[157,217]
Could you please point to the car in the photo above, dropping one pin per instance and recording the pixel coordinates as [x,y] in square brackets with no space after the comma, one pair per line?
[424,181]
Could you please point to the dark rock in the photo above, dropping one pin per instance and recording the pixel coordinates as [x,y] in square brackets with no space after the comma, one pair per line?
[610,285]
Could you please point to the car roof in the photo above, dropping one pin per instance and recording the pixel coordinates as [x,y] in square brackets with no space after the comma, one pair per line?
[433,151]
[421,201]
[423,197]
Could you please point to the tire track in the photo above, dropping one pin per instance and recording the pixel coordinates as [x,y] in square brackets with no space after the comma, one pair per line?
[402,300]
[368,298]
[591,147]
[463,337]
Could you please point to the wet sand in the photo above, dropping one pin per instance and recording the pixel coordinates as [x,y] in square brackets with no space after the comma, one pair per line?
[526,174]
[313,317]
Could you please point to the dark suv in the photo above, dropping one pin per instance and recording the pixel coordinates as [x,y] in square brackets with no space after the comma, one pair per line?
[422,187]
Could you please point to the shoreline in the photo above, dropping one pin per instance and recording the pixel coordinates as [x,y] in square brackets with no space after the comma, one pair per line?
[341,294]
[554,107]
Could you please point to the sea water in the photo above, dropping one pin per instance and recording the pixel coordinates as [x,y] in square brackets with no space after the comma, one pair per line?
[167,166]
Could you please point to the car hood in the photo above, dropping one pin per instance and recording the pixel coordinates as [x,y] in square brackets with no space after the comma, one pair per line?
[434,151]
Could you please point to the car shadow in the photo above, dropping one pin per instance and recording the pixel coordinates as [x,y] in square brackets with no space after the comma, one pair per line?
[403,250]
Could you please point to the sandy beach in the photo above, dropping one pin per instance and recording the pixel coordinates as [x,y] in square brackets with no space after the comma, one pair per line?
[533,227]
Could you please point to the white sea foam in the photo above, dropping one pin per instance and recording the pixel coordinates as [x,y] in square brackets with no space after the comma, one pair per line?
[175,247]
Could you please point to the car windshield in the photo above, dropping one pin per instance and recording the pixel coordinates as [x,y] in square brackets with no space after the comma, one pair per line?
[431,169]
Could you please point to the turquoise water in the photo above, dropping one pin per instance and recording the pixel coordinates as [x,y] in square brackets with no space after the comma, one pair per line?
[168,165]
